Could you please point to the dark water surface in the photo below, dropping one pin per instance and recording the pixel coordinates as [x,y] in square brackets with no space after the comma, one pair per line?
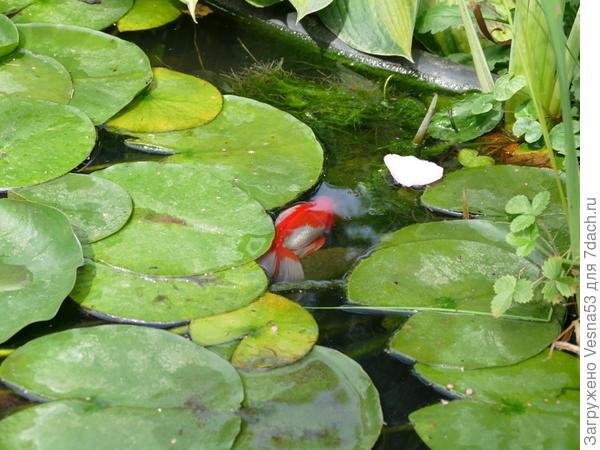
[357,126]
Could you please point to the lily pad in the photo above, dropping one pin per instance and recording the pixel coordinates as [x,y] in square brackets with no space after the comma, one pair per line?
[275,332]
[442,275]
[250,143]
[90,14]
[488,189]
[470,341]
[34,76]
[186,221]
[324,401]
[41,252]
[107,72]
[306,7]
[9,36]
[95,207]
[147,14]
[123,296]
[173,101]
[40,140]
[380,27]
[543,376]
[115,387]
[460,124]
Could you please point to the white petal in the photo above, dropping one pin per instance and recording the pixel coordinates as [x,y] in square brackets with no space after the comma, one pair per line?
[410,171]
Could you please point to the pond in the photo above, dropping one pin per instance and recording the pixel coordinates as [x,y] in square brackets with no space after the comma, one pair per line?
[362,287]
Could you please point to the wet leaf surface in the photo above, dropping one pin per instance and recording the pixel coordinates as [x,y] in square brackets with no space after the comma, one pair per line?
[253,145]
[41,254]
[470,341]
[95,207]
[274,332]
[147,14]
[9,36]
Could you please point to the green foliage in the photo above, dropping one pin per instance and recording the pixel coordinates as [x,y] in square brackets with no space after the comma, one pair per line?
[471,158]
[508,290]
[438,18]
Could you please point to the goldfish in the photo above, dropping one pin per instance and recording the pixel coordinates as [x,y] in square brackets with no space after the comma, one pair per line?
[299,231]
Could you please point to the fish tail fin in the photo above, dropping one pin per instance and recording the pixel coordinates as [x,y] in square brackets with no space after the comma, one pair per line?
[281,264]
[312,247]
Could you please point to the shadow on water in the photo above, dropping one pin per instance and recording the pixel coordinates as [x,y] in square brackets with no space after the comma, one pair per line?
[357,125]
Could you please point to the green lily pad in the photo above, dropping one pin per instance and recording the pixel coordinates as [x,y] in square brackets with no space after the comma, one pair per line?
[460,124]
[470,341]
[147,14]
[471,158]
[173,101]
[542,376]
[107,72]
[34,76]
[185,221]
[95,207]
[106,292]
[275,332]
[40,140]
[324,401]
[89,14]
[146,385]
[380,27]
[38,242]
[441,275]
[306,7]
[250,143]
[9,36]
[488,189]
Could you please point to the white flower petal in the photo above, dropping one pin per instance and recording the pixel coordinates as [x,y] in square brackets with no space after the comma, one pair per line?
[410,171]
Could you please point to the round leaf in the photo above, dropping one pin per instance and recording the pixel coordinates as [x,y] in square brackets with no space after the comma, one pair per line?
[488,189]
[252,144]
[324,401]
[41,252]
[147,14]
[440,274]
[34,76]
[9,36]
[173,101]
[90,14]
[106,292]
[275,331]
[95,207]
[164,384]
[470,341]
[185,221]
[380,27]
[41,140]
[107,72]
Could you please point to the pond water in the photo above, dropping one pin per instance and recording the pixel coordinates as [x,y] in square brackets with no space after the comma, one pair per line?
[357,125]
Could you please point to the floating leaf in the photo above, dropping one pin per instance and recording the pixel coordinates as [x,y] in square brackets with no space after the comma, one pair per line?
[460,124]
[90,14]
[106,292]
[41,254]
[380,27]
[452,274]
[470,341]
[122,384]
[543,375]
[275,332]
[107,72]
[41,140]
[324,401]
[95,207]
[471,158]
[40,77]
[173,101]
[242,149]
[9,36]
[488,189]
[306,7]
[147,14]
[186,221]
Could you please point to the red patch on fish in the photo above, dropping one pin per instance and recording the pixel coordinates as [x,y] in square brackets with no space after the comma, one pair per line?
[299,231]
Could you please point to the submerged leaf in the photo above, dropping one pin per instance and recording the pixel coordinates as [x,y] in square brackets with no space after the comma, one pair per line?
[275,332]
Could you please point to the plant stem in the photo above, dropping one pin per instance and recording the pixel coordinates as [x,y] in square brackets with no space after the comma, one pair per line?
[422,131]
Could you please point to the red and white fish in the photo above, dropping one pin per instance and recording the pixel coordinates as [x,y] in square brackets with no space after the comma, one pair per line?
[299,231]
